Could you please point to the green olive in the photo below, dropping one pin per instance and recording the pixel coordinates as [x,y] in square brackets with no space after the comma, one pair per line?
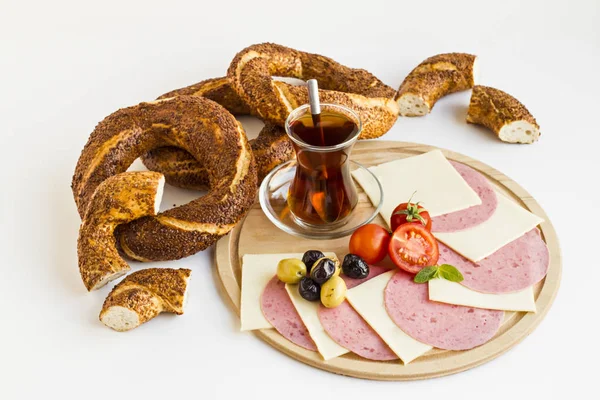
[338,266]
[335,260]
[291,270]
[337,271]
[333,292]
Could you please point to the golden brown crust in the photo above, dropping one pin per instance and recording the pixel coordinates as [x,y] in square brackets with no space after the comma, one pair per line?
[251,70]
[218,90]
[149,292]
[271,148]
[202,128]
[117,200]
[494,109]
[434,78]
[168,284]
[178,166]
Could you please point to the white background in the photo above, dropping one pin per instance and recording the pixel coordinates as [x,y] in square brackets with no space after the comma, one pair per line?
[64,66]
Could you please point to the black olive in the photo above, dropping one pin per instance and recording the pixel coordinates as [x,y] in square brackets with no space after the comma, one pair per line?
[355,267]
[322,270]
[311,257]
[309,289]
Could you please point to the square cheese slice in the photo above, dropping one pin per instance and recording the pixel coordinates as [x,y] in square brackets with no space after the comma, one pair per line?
[454,293]
[430,176]
[257,271]
[368,300]
[509,222]
[308,311]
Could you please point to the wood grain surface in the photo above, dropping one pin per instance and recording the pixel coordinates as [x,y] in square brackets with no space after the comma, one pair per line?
[256,235]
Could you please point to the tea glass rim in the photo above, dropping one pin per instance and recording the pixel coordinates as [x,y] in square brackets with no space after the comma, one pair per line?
[324,149]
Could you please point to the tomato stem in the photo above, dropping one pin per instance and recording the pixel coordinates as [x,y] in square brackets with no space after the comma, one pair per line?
[412,212]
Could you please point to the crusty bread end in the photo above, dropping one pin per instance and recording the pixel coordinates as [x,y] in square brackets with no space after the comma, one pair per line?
[143,295]
[503,114]
[412,105]
[120,318]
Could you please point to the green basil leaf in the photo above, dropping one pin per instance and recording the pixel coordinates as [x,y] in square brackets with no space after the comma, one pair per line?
[426,274]
[450,273]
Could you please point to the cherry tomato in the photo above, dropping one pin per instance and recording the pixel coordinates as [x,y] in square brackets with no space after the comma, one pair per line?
[412,247]
[370,242]
[410,212]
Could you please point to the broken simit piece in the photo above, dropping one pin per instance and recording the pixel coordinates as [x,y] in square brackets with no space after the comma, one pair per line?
[503,114]
[118,200]
[143,295]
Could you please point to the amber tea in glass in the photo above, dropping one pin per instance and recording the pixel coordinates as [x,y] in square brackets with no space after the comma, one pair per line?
[322,193]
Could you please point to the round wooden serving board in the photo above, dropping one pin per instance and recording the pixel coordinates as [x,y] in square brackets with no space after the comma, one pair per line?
[256,234]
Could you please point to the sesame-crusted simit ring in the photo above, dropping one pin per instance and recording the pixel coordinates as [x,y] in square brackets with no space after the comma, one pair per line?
[205,130]
[271,148]
[251,74]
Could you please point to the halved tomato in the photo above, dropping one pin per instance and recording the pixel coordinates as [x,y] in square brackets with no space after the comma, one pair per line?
[412,247]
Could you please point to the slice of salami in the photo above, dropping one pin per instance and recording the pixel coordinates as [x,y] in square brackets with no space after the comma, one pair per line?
[516,266]
[440,325]
[279,310]
[374,270]
[346,327]
[472,216]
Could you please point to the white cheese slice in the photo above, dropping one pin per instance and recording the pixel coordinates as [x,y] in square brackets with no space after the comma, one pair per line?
[257,271]
[308,311]
[368,300]
[430,176]
[509,222]
[454,293]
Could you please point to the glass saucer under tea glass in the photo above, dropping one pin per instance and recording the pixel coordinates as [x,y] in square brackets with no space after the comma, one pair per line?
[273,194]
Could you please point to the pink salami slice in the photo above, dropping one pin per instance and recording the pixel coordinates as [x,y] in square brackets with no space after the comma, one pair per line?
[346,327]
[440,325]
[516,266]
[472,216]
[374,270]
[279,310]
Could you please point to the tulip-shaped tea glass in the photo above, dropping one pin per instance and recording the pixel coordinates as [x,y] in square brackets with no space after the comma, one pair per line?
[315,195]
